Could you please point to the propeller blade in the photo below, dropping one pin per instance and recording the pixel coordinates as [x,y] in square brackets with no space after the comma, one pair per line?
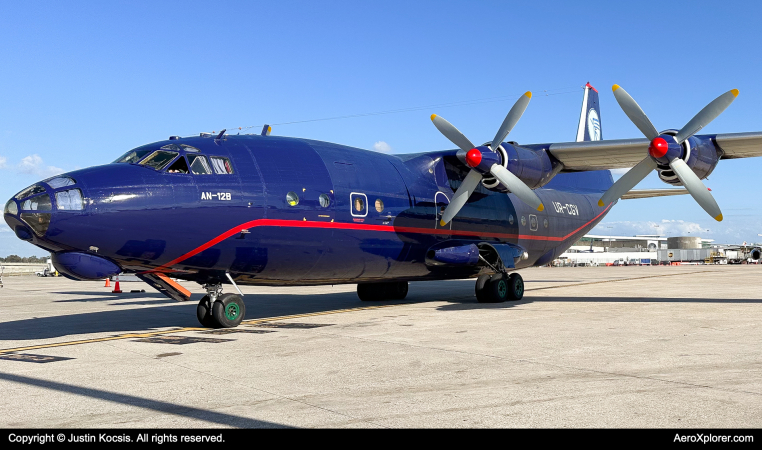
[452,133]
[516,186]
[628,181]
[634,112]
[706,115]
[696,188]
[510,120]
[461,196]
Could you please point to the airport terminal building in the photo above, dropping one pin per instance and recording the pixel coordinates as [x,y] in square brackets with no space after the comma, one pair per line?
[599,250]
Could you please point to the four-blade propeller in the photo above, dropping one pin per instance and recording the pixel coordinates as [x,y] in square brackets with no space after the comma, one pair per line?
[667,150]
[482,162]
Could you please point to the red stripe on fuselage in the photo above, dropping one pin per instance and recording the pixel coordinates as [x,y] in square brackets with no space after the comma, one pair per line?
[361,227]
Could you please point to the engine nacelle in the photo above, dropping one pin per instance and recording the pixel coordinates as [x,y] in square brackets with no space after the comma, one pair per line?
[534,167]
[700,154]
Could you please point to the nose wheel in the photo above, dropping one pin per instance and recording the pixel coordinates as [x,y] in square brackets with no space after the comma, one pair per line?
[499,287]
[218,310]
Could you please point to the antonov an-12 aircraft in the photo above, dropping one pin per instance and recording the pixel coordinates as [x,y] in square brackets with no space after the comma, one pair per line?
[220,209]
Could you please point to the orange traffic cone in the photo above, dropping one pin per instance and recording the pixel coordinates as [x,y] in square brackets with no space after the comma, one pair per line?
[116,287]
[108,282]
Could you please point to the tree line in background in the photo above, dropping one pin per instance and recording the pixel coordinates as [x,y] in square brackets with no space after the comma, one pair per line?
[25,259]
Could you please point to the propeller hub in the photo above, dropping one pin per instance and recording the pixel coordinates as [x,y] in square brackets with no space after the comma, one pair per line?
[473,157]
[658,148]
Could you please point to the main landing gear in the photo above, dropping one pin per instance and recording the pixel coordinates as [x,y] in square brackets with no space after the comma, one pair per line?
[499,287]
[369,292]
[218,310]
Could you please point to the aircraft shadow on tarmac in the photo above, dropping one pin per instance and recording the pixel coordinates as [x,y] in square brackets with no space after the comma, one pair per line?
[168,313]
[145,403]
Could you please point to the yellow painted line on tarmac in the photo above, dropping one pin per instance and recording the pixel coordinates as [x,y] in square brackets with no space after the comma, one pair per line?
[180,330]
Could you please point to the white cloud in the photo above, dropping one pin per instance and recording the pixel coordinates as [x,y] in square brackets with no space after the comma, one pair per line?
[382,147]
[665,228]
[3,160]
[34,165]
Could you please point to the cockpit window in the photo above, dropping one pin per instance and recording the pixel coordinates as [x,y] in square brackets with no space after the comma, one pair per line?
[31,190]
[179,166]
[199,165]
[221,165]
[133,156]
[178,147]
[159,159]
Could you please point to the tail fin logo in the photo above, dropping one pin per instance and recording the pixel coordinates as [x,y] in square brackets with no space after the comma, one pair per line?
[593,125]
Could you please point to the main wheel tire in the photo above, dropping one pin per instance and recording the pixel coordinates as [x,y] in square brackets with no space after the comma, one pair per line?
[482,296]
[204,313]
[497,288]
[371,292]
[515,287]
[228,311]
[397,290]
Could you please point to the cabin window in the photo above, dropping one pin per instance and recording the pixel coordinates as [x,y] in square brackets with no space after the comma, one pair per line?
[59,182]
[510,219]
[199,165]
[380,205]
[39,203]
[179,166]
[533,222]
[545,223]
[359,204]
[221,165]
[325,200]
[70,200]
[159,159]
[523,221]
[292,199]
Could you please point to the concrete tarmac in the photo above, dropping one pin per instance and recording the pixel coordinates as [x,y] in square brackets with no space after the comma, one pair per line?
[587,347]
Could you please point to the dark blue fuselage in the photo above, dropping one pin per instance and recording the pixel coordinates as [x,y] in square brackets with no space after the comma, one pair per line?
[266,223]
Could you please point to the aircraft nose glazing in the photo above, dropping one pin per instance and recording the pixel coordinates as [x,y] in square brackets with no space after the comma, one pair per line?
[35,206]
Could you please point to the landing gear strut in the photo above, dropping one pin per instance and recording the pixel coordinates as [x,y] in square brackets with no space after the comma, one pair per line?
[218,310]
[499,287]
[368,292]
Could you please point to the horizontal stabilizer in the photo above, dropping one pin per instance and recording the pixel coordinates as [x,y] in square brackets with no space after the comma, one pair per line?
[648,193]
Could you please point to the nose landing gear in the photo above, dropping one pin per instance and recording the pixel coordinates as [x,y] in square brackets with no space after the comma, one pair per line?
[218,310]
[499,287]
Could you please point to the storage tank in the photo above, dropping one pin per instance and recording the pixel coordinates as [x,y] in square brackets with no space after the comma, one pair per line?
[684,242]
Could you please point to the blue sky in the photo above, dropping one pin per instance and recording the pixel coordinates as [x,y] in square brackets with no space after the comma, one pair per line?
[82,82]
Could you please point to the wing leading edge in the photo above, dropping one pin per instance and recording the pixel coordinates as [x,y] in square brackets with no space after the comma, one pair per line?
[649,193]
[623,153]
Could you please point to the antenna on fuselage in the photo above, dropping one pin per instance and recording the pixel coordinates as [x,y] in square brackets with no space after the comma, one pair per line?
[266,130]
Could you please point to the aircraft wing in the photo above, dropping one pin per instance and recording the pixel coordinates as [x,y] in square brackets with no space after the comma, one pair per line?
[740,145]
[648,193]
[623,153]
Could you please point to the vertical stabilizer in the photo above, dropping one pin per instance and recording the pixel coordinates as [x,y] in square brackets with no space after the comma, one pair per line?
[589,128]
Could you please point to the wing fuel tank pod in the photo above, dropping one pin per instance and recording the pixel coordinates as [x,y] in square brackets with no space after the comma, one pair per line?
[84,266]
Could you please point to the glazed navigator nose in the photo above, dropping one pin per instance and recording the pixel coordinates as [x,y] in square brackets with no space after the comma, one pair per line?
[34,206]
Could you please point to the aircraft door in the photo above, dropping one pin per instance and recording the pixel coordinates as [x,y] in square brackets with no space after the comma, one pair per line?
[440,203]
